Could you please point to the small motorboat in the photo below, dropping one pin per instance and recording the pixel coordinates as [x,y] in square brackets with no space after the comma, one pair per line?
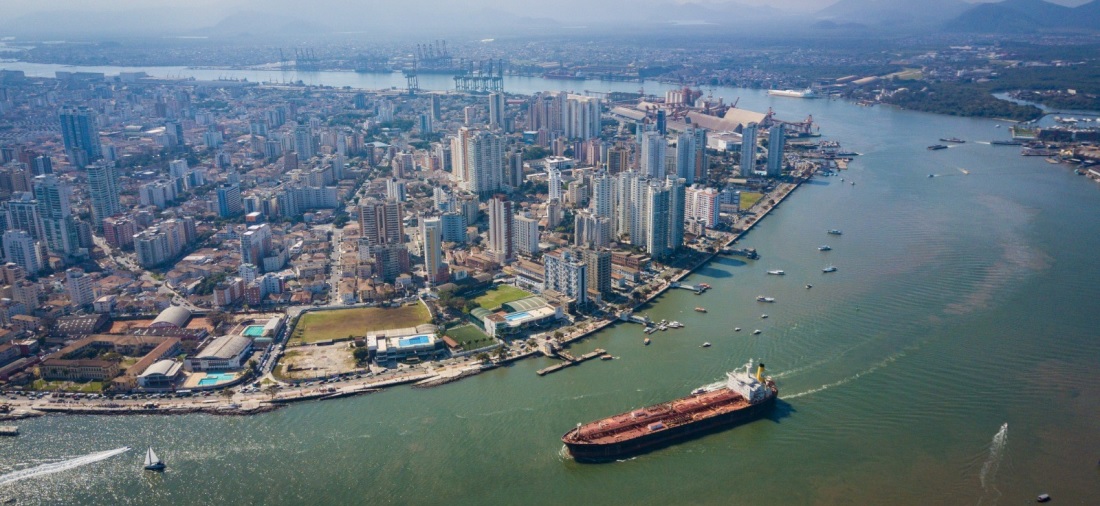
[835,232]
[755,332]
[737,329]
[706,345]
[606,357]
[1043,498]
[765,315]
[809,286]
[700,309]
[646,341]
[761,298]
[776,272]
[824,247]
[831,268]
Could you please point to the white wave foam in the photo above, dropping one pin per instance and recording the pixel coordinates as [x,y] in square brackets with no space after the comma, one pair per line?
[64,465]
[993,462]
[885,362]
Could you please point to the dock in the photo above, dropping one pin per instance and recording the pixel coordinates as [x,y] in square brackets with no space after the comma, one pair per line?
[571,361]
[9,430]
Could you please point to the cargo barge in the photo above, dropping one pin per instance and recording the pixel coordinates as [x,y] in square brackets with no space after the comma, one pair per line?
[742,398]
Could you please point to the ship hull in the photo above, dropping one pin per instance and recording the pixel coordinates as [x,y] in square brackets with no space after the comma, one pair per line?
[600,452]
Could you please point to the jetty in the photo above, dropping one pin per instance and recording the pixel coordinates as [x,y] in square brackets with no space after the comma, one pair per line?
[571,361]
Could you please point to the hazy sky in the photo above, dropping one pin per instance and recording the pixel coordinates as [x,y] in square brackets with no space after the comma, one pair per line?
[222,7]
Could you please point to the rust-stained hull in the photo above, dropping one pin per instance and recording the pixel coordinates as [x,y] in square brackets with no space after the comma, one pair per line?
[604,451]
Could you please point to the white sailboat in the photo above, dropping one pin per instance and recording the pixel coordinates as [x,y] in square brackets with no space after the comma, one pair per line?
[152,462]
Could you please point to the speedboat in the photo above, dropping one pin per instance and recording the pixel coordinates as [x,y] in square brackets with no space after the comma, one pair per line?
[706,345]
[765,315]
[755,332]
[761,298]
[737,329]
[776,272]
[824,247]
[831,268]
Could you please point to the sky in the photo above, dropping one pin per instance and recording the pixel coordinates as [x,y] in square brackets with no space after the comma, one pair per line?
[23,7]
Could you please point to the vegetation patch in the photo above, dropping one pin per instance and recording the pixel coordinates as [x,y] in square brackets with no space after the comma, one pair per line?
[749,199]
[469,337]
[357,322]
[500,294]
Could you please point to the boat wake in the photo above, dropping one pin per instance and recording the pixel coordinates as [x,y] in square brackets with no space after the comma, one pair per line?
[993,462]
[885,362]
[64,465]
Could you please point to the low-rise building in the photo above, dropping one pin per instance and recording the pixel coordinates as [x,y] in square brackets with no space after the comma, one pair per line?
[226,353]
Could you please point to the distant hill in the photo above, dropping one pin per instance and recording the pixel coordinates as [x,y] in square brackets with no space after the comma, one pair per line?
[1026,16]
[891,13]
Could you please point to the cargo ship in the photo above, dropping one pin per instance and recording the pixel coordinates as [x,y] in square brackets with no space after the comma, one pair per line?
[793,93]
[741,398]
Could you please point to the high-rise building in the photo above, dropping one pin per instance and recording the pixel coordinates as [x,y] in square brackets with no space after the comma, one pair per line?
[229,200]
[675,213]
[685,156]
[24,250]
[454,227]
[514,173]
[80,134]
[427,126]
[702,167]
[777,140]
[23,213]
[618,160]
[702,204]
[591,231]
[103,187]
[55,209]
[303,142]
[598,262]
[256,244]
[496,110]
[603,192]
[395,189]
[437,112]
[79,286]
[654,151]
[662,122]
[431,234]
[554,176]
[500,229]
[119,231]
[42,165]
[566,274]
[381,222]
[748,150]
[657,220]
[484,158]
[525,235]
[581,117]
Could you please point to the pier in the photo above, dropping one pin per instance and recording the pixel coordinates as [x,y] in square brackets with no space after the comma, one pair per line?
[571,361]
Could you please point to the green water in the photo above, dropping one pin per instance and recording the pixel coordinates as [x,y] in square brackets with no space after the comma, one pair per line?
[961,303]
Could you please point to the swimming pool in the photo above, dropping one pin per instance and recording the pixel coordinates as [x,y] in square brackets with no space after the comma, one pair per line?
[414,340]
[214,379]
[253,331]
[516,316]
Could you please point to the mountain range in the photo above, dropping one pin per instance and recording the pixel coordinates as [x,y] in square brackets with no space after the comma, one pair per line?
[412,18]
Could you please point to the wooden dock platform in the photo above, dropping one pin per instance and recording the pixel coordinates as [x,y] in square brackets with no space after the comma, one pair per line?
[571,361]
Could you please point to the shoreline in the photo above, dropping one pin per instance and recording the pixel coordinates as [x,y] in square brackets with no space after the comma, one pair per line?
[250,404]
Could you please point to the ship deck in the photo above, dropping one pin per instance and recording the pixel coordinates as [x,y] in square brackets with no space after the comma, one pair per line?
[656,418]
